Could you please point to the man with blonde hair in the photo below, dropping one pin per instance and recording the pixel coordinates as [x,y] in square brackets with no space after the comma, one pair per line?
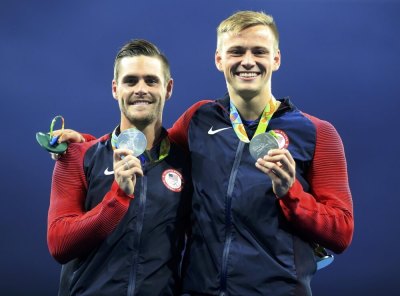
[269,181]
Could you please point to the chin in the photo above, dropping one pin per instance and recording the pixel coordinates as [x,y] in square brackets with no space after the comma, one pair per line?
[248,93]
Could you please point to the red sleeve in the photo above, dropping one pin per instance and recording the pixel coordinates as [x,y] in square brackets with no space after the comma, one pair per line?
[71,231]
[178,133]
[88,137]
[325,215]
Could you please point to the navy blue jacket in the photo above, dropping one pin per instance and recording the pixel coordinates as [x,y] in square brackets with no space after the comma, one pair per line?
[141,249]
[245,240]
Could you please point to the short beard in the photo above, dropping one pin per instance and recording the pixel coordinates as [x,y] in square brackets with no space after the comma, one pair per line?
[141,123]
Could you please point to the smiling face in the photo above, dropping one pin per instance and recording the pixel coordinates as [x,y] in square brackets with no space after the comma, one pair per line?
[247,59]
[141,91]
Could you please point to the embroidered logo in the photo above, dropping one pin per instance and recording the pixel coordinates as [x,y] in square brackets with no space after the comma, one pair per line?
[212,132]
[173,180]
[107,172]
[283,139]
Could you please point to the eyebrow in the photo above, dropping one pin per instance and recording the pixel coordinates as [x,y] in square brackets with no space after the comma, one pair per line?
[155,77]
[245,47]
[130,76]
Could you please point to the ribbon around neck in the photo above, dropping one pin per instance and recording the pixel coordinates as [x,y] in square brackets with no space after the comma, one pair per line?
[266,116]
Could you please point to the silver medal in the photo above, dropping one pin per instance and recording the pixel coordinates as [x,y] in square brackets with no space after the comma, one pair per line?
[132,139]
[261,144]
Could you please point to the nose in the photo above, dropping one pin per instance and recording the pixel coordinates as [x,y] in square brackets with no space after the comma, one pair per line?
[248,60]
[140,89]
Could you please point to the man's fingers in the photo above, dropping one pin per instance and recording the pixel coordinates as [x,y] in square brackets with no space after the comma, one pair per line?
[132,164]
[57,132]
[125,163]
[271,168]
[71,137]
[130,172]
[281,154]
[120,154]
[280,161]
[68,135]
[280,166]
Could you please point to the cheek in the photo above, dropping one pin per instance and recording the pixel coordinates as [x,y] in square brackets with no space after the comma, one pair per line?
[119,95]
[232,66]
[227,69]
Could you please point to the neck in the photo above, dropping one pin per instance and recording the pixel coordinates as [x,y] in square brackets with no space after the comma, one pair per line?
[151,131]
[251,109]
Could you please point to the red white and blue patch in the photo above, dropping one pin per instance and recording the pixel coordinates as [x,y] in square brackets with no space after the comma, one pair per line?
[173,180]
[283,139]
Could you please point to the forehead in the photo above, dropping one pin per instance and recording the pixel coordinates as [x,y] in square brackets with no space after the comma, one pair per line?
[140,66]
[256,36]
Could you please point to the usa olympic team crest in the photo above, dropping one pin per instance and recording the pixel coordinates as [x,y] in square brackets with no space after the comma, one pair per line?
[173,180]
[282,138]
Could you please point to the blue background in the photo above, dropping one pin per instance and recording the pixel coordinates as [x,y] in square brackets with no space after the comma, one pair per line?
[340,62]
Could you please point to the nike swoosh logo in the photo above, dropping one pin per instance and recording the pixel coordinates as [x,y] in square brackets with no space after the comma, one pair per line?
[212,132]
[107,172]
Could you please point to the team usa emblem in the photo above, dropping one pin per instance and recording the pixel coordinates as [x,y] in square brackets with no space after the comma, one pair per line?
[173,180]
[282,138]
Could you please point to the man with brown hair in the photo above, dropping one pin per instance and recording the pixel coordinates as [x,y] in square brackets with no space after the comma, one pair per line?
[117,222]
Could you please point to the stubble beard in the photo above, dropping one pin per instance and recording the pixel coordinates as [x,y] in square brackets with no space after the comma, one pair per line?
[138,122]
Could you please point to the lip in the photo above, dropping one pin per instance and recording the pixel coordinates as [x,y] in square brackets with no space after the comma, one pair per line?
[247,75]
[140,102]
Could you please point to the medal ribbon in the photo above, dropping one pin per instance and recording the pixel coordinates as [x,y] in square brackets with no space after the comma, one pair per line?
[164,146]
[266,116]
[53,140]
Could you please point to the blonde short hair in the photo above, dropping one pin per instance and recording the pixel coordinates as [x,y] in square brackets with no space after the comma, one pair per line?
[241,20]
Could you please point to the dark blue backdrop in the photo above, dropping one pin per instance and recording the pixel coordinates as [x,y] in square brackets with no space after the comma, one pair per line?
[339,62]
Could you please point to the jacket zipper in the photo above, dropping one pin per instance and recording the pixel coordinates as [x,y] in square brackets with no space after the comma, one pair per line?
[228,218]
[137,234]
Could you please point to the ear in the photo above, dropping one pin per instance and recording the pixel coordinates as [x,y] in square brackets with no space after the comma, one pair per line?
[170,86]
[114,89]
[277,60]
[218,59]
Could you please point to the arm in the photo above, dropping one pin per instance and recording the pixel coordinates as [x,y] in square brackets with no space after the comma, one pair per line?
[325,215]
[178,133]
[87,137]
[70,136]
[72,232]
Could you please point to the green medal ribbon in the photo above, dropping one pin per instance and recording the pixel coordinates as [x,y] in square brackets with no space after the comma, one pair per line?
[266,116]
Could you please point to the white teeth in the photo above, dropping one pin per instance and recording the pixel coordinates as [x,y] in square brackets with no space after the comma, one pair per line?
[140,103]
[247,74]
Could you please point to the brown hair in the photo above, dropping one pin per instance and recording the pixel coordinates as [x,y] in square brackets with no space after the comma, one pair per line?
[138,47]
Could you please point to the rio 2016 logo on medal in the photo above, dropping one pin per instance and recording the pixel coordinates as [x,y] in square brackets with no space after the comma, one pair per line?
[262,143]
[173,180]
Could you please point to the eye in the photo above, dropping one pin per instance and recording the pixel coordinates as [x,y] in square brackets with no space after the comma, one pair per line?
[260,51]
[236,52]
[151,81]
[130,81]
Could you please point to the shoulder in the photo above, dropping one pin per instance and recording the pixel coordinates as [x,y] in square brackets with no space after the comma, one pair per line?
[197,106]
[322,126]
